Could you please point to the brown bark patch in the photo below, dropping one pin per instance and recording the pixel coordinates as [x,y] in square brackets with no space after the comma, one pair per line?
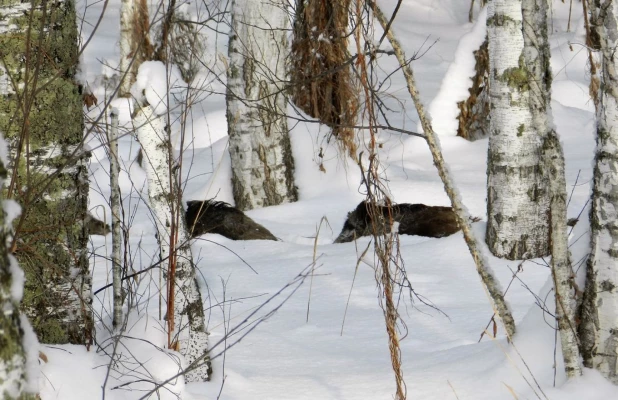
[474,111]
[320,70]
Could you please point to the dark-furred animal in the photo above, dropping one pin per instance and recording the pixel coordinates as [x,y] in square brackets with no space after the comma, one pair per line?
[211,216]
[413,219]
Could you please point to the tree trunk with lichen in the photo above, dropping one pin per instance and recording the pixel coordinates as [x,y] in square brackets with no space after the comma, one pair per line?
[260,149]
[517,192]
[599,327]
[41,118]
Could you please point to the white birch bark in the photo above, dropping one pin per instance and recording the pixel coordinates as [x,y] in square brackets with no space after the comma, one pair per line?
[517,193]
[537,62]
[127,71]
[490,283]
[114,172]
[562,271]
[262,162]
[189,334]
[599,330]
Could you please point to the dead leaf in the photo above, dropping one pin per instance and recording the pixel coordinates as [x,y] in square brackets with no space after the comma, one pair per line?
[90,100]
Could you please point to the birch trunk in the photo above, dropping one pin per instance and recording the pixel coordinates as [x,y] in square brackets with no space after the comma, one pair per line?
[517,192]
[599,329]
[537,63]
[490,284]
[127,74]
[260,150]
[562,271]
[114,172]
[188,333]
[41,118]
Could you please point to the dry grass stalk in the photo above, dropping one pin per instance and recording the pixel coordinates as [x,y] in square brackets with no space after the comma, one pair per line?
[324,86]
[387,258]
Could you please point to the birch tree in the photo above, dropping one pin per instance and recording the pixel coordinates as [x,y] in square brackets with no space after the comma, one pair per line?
[115,201]
[561,267]
[186,326]
[260,150]
[537,57]
[599,328]
[41,117]
[517,192]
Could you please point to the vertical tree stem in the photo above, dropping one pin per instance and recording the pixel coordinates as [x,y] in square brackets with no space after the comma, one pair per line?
[562,272]
[114,172]
[490,284]
[188,333]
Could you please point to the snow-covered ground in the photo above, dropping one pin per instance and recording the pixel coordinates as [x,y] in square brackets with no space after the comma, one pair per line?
[311,347]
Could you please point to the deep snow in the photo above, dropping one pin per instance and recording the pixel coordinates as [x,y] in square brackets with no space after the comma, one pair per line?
[297,354]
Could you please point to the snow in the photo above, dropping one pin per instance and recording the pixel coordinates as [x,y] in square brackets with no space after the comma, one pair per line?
[327,340]
[32,347]
[11,209]
[10,378]
[4,151]
[11,369]
[154,81]
[17,280]
[458,79]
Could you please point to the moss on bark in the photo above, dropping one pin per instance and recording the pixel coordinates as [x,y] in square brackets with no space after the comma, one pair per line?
[43,123]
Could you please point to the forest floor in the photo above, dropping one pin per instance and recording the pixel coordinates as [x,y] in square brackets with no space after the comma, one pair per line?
[328,339]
